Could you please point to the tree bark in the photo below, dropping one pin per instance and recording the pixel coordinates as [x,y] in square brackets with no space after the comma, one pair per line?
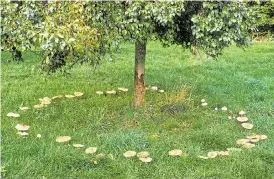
[139,73]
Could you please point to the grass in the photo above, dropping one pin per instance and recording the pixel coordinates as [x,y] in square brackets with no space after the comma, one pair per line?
[240,80]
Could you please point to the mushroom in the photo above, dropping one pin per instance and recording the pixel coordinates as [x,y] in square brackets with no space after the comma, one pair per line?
[263,137]
[22,127]
[45,100]
[224,108]
[111,92]
[100,156]
[203,157]
[123,89]
[203,100]
[37,106]
[78,94]
[143,154]
[129,154]
[175,152]
[241,113]
[62,139]
[247,126]
[24,108]
[91,150]
[242,119]
[242,141]
[110,156]
[78,145]
[146,159]
[212,154]
[22,133]
[161,91]
[69,96]
[154,88]
[39,136]
[204,104]
[55,97]
[99,92]
[11,114]
[223,153]
[233,149]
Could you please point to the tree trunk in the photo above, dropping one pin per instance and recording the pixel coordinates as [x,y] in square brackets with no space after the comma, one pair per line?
[139,73]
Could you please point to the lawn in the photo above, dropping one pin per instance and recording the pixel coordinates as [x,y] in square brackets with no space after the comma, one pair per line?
[239,80]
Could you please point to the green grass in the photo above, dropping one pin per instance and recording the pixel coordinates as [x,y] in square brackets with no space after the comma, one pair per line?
[240,80]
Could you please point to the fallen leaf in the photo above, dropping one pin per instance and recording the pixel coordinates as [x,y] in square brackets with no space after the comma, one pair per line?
[91,150]
[129,154]
[175,152]
[22,127]
[61,139]
[11,114]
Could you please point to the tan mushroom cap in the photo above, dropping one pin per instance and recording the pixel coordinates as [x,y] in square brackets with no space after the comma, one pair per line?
[78,94]
[242,141]
[146,159]
[22,127]
[212,154]
[254,140]
[248,145]
[91,150]
[154,88]
[143,154]
[55,97]
[204,104]
[254,136]
[161,91]
[45,100]
[100,156]
[111,92]
[39,136]
[203,157]
[123,89]
[11,114]
[263,137]
[61,139]
[22,133]
[69,96]
[78,145]
[247,125]
[24,108]
[242,119]
[99,92]
[223,153]
[242,112]
[175,152]
[224,108]
[129,154]
[203,100]
[37,106]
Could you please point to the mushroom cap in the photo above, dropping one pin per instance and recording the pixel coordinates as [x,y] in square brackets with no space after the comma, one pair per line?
[223,153]
[242,119]
[145,159]
[61,139]
[242,112]
[69,96]
[248,145]
[242,141]
[154,88]
[203,100]
[111,92]
[161,91]
[129,154]
[229,117]
[175,152]
[45,100]
[123,89]
[22,127]
[55,97]
[233,149]
[254,140]
[24,108]
[78,145]
[253,137]
[99,92]
[100,156]
[110,156]
[78,94]
[224,108]
[212,154]
[39,136]
[11,114]
[203,157]
[247,125]
[143,154]
[263,137]
[38,106]
[91,150]
[22,133]
[204,104]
